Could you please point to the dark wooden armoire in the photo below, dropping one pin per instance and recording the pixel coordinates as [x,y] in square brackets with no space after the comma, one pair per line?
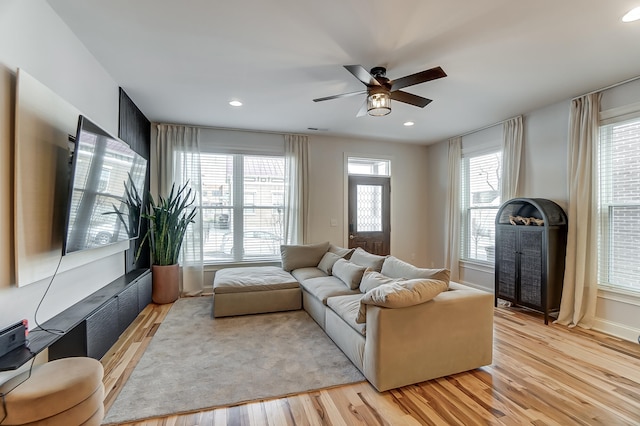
[531,238]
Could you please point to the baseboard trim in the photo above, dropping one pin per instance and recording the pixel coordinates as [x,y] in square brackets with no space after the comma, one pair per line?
[616,329]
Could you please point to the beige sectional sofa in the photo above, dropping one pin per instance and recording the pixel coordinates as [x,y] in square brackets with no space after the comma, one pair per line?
[397,323]
[395,346]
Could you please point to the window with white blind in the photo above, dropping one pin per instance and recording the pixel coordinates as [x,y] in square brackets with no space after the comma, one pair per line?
[242,207]
[480,191]
[619,204]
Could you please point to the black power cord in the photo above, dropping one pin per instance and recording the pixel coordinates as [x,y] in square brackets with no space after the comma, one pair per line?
[35,315]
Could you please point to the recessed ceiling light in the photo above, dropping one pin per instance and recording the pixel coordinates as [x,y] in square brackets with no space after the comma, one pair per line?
[409,123]
[235,103]
[632,15]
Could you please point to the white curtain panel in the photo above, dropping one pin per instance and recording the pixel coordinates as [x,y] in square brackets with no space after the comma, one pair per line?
[178,160]
[296,199]
[452,243]
[512,136]
[579,293]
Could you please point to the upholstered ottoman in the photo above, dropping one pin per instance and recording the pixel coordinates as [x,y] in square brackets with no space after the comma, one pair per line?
[254,290]
[64,392]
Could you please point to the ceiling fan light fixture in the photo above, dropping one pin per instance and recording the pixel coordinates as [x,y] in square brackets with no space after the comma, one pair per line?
[632,15]
[378,104]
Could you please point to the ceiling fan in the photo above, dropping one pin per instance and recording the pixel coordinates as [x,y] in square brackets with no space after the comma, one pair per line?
[380,90]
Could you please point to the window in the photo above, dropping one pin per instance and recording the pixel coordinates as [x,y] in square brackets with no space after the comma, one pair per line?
[369,216]
[480,202]
[619,204]
[368,166]
[242,219]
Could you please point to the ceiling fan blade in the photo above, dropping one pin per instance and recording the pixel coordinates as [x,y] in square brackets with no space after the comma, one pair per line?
[363,109]
[363,75]
[344,95]
[410,99]
[417,78]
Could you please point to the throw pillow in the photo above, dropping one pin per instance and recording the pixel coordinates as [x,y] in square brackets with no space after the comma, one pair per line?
[341,251]
[372,279]
[396,268]
[349,273]
[363,258]
[399,294]
[327,261]
[302,256]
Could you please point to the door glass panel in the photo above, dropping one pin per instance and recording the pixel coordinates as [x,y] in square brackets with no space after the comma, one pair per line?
[369,202]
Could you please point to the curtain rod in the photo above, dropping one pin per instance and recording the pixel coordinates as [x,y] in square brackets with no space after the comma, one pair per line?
[486,127]
[232,129]
[609,87]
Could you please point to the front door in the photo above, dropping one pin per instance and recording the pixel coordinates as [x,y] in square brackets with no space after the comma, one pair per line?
[369,214]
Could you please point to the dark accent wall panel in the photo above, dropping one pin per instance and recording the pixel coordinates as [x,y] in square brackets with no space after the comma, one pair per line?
[135,129]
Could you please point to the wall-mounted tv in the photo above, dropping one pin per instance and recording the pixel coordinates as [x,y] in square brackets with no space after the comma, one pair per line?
[105,190]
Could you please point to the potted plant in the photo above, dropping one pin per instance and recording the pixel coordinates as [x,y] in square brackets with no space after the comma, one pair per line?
[168,221]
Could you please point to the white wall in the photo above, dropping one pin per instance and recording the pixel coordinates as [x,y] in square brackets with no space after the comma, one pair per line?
[544,174]
[544,167]
[408,192]
[34,38]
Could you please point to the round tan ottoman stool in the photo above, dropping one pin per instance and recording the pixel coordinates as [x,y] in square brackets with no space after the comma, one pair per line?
[65,392]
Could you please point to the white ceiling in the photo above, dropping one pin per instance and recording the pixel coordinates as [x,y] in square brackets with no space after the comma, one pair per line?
[183,61]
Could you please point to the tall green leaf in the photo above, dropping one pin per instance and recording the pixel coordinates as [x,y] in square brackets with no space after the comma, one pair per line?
[168,221]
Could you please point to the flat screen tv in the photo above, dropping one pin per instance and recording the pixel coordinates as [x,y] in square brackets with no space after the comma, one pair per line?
[105,190]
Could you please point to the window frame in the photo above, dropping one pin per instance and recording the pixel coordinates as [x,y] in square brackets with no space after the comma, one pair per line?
[363,160]
[238,210]
[466,207]
[604,208]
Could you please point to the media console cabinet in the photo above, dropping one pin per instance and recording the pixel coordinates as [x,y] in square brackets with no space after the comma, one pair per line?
[91,326]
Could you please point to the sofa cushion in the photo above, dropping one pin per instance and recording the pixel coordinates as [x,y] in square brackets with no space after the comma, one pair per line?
[324,287]
[302,256]
[347,308]
[363,258]
[327,261]
[396,268]
[372,279]
[303,274]
[401,293]
[349,272]
[252,278]
[341,251]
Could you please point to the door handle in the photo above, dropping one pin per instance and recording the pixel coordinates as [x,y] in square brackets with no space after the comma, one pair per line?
[351,237]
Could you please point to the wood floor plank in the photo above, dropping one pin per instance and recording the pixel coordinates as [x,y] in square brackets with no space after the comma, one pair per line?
[332,412]
[541,375]
[220,417]
[309,414]
[361,413]
[582,384]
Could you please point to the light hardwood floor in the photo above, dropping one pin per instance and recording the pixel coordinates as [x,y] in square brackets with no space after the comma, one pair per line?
[541,375]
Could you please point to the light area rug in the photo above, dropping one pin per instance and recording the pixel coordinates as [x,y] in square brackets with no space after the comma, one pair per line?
[195,362]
